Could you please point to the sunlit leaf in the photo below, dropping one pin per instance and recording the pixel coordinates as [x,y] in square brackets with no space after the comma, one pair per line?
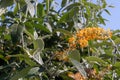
[74,54]
[33,71]
[65,32]
[16,9]
[38,43]
[47,5]
[96,60]
[70,6]
[79,67]
[21,74]
[40,10]
[116,65]
[107,55]
[30,7]
[49,27]
[29,27]
[4,4]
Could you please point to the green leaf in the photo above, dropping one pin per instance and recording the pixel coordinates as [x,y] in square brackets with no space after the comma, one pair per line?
[65,32]
[79,67]
[38,44]
[104,4]
[4,4]
[118,72]
[30,62]
[116,65]
[63,3]
[2,11]
[68,15]
[34,71]
[40,10]
[29,27]
[101,20]
[117,40]
[21,74]
[10,14]
[95,60]
[16,31]
[16,9]
[111,6]
[93,5]
[48,26]
[25,58]
[3,58]
[30,7]
[47,5]
[107,11]
[41,28]
[74,54]
[107,55]
[88,12]
[29,34]
[7,37]
[40,20]
[76,4]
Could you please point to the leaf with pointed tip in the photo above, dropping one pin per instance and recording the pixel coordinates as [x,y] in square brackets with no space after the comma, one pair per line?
[41,28]
[16,9]
[48,27]
[33,71]
[29,27]
[76,4]
[4,4]
[38,44]
[38,57]
[107,55]
[68,15]
[63,3]
[74,54]
[96,60]
[79,67]
[116,65]
[21,74]
[40,10]
[26,58]
[30,7]
[65,32]
[16,31]
[107,11]
[47,5]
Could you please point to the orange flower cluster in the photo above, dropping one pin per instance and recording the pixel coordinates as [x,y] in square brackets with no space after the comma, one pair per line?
[83,36]
[76,76]
[61,56]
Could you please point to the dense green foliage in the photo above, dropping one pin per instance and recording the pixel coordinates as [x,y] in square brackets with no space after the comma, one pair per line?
[34,41]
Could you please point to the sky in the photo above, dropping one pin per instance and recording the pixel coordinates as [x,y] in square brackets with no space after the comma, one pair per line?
[113,19]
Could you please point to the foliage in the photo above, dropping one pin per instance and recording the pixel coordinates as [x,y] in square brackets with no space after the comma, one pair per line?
[40,42]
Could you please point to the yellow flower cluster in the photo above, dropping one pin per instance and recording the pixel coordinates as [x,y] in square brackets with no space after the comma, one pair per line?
[83,36]
[76,76]
[62,56]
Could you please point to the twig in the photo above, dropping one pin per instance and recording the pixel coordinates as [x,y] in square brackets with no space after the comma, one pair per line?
[54,73]
[115,46]
[114,59]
